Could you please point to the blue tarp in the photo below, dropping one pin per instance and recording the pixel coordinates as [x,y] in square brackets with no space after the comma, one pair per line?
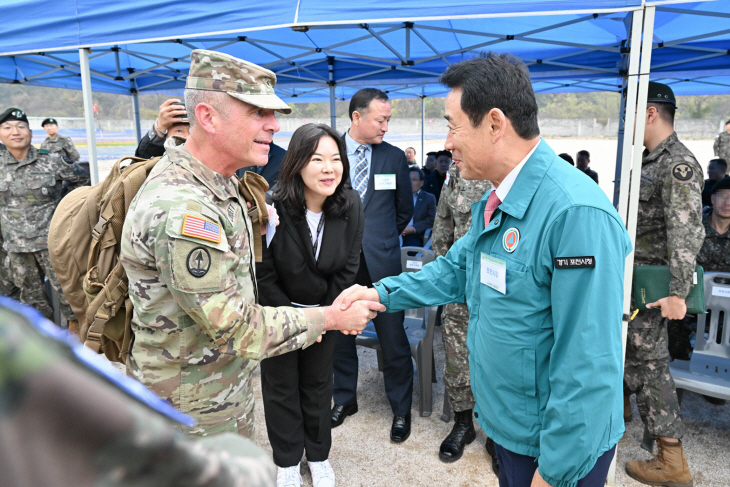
[399,46]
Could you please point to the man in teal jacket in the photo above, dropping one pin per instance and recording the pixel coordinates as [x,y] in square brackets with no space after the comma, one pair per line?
[543,283]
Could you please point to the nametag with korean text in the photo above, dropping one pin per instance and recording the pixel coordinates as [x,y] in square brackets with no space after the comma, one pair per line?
[384,181]
[723,292]
[494,273]
[574,262]
[414,264]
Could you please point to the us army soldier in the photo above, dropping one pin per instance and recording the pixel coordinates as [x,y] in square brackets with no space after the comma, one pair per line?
[117,439]
[453,218]
[56,143]
[187,248]
[669,232]
[30,186]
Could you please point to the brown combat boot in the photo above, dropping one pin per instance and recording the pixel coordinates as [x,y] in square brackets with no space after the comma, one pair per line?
[74,328]
[669,468]
[627,409]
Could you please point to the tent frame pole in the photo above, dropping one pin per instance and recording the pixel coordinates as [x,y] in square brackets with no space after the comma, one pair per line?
[89,114]
[135,109]
[423,126]
[631,157]
[331,83]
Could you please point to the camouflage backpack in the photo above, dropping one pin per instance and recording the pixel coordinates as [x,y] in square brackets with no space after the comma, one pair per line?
[84,246]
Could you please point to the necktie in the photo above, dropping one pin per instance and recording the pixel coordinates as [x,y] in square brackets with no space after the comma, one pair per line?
[360,174]
[492,203]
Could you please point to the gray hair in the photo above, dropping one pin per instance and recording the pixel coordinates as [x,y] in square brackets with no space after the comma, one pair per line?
[219,100]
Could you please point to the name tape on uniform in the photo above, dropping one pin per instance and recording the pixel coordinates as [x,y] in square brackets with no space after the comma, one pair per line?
[197,227]
[581,262]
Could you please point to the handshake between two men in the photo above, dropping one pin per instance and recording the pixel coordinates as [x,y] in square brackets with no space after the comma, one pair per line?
[353,309]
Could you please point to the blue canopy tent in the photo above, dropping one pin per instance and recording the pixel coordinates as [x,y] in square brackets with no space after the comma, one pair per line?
[324,50]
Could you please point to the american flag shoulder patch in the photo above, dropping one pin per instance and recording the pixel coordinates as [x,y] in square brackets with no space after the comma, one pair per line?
[196,227]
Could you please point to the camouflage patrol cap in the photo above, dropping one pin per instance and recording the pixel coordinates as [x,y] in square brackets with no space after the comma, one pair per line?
[215,71]
[49,121]
[659,92]
[13,114]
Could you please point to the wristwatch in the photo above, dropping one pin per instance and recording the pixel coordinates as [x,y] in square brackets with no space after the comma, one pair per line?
[153,133]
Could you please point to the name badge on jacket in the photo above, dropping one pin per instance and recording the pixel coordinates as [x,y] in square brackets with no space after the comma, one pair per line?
[494,273]
[384,181]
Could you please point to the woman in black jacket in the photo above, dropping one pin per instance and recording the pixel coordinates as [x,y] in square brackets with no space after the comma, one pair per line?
[311,256]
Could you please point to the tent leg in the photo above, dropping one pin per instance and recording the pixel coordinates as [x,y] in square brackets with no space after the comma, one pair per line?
[333,108]
[423,129]
[89,114]
[635,107]
[137,122]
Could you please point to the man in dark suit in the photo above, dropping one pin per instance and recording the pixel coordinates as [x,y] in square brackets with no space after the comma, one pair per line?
[424,211]
[435,181]
[582,161]
[270,171]
[379,173]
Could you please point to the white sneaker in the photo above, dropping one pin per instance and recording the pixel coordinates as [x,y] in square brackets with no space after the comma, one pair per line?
[288,477]
[322,474]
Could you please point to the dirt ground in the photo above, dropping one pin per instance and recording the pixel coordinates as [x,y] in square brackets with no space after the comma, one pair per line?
[363,455]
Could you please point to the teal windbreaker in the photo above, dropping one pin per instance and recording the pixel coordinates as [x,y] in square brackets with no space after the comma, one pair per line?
[545,357]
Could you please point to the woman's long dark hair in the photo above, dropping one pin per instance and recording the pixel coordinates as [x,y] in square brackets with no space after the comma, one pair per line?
[289,191]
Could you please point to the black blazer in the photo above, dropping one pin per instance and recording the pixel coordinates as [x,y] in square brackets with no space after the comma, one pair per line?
[424,212]
[288,271]
[387,212]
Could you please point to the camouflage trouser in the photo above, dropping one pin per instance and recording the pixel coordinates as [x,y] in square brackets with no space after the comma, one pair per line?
[28,270]
[646,373]
[456,370]
[7,286]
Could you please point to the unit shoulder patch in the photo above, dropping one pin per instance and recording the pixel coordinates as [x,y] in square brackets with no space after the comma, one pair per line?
[682,172]
[197,227]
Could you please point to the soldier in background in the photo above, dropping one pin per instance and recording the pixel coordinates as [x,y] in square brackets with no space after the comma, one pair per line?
[716,170]
[56,143]
[188,250]
[722,143]
[453,218]
[66,420]
[171,121]
[669,232]
[714,256]
[30,188]
[7,285]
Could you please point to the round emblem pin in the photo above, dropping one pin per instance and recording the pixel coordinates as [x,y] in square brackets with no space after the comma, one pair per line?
[199,261]
[510,239]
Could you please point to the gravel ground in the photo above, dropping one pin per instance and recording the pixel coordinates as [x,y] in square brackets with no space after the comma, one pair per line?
[362,453]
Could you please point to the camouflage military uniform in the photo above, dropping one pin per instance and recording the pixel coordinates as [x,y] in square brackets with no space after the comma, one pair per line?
[722,146]
[7,285]
[29,193]
[63,424]
[198,330]
[453,218]
[714,255]
[669,232]
[63,146]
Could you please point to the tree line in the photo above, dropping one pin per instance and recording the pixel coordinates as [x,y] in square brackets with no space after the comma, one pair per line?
[39,101]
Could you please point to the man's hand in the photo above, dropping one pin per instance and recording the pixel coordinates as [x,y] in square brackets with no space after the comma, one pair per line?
[353,319]
[355,293]
[537,480]
[673,307]
[408,231]
[168,111]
